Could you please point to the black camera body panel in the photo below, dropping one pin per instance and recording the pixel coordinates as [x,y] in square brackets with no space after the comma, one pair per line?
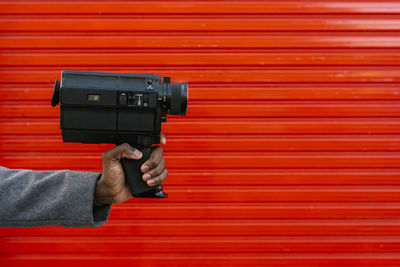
[110,108]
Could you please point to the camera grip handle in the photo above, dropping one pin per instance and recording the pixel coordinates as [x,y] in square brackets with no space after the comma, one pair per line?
[133,177]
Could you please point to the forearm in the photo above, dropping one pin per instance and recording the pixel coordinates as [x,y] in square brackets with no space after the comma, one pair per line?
[45,198]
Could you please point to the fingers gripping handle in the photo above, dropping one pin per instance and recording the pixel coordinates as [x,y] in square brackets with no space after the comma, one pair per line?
[133,176]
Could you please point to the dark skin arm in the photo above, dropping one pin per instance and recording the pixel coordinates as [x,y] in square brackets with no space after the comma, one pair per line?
[112,188]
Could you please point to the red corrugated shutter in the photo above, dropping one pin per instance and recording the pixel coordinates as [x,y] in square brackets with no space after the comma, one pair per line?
[290,151]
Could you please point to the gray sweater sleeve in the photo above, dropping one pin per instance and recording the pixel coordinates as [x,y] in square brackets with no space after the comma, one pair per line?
[49,198]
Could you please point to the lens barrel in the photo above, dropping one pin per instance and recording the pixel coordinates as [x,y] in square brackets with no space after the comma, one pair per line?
[175,98]
[179,98]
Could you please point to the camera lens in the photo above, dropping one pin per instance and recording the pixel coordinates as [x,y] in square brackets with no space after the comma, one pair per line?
[175,98]
[179,98]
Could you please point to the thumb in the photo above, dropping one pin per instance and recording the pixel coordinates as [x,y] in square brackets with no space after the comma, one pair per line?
[122,151]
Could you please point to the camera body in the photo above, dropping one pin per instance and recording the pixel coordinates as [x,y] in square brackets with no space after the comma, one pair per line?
[116,108]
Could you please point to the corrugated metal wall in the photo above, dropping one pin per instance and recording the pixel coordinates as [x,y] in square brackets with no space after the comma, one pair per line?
[289,155]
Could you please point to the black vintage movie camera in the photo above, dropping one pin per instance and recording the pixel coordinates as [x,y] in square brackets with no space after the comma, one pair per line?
[116,108]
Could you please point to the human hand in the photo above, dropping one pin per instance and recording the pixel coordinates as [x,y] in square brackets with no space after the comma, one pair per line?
[112,188]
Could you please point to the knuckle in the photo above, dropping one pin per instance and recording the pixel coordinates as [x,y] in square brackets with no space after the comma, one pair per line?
[125,146]
[157,151]
[160,178]
[157,180]
[156,171]
[151,164]
[154,160]
[163,176]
